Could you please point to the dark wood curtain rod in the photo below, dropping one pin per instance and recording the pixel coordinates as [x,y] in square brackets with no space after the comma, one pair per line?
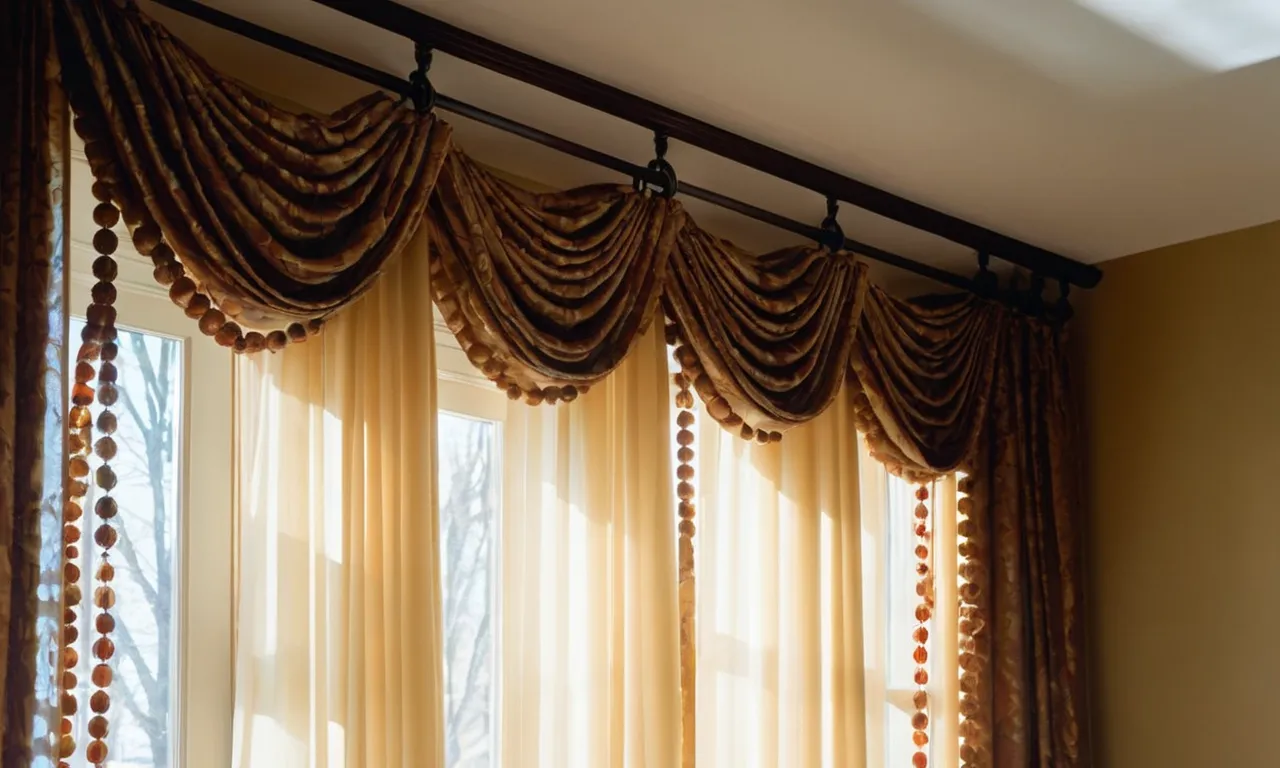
[401,85]
[470,47]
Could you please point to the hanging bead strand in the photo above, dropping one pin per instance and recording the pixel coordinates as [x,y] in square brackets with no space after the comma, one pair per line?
[79,438]
[685,491]
[106,509]
[972,627]
[72,515]
[920,635]
[101,318]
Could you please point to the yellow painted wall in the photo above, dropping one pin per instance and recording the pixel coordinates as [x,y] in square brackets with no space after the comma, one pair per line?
[1179,368]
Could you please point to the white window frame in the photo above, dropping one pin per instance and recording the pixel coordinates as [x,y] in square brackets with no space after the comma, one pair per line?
[204,552]
[464,391]
[879,581]
[203,669]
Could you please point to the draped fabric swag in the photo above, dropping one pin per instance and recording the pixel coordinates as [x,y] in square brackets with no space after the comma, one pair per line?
[925,372]
[768,337]
[547,293]
[278,218]
[265,222]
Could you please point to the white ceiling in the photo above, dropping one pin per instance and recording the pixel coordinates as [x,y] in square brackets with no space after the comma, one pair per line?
[1096,128]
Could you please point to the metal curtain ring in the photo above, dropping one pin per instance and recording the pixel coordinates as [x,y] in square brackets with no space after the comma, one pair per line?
[670,184]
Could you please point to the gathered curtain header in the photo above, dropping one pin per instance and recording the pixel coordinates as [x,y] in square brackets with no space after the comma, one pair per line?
[276,218]
[264,221]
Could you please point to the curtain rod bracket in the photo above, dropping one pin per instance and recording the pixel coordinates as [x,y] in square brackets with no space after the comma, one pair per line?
[421,91]
[659,164]
[1033,300]
[832,234]
[986,283]
[1062,311]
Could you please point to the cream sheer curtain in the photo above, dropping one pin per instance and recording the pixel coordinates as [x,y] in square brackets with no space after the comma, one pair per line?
[339,631]
[944,693]
[780,619]
[589,639]
[805,612]
[338,659]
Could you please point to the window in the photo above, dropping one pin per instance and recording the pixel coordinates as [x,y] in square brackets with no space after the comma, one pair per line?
[172,691]
[901,602]
[469,442]
[890,600]
[144,558]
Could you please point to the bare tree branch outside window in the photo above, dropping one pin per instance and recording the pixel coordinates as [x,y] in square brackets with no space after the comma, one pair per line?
[468,512]
[143,695]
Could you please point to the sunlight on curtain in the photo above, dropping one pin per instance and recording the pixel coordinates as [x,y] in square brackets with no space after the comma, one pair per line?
[780,624]
[338,659]
[589,636]
[944,690]
[889,604]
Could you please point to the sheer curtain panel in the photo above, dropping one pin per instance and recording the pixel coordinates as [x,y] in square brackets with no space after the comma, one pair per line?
[589,635]
[338,659]
[780,619]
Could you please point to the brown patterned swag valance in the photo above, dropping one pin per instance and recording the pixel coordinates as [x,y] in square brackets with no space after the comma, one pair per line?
[264,221]
[277,218]
[764,339]
[547,293]
[923,372]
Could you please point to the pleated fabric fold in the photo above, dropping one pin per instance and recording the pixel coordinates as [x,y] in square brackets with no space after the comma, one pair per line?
[276,216]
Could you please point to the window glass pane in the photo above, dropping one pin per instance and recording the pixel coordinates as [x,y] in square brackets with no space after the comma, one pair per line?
[469,494]
[902,602]
[143,693]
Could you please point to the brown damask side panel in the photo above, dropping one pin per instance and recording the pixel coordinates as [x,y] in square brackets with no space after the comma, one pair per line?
[1025,492]
[33,134]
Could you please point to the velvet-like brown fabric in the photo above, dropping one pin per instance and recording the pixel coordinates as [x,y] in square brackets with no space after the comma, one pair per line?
[278,217]
[1024,495]
[765,339]
[547,293]
[32,235]
[923,372]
